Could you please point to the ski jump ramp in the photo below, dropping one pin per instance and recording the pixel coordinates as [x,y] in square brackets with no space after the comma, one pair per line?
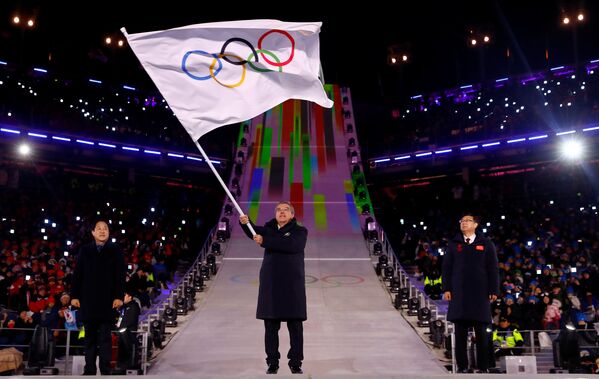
[298,151]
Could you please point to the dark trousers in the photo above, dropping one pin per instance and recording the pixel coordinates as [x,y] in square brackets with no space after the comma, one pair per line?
[296,339]
[98,342]
[461,341]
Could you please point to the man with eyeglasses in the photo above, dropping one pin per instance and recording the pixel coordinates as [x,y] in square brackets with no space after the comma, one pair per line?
[282,291]
[470,283]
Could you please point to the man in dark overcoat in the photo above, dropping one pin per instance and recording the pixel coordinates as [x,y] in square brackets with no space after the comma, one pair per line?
[470,283]
[282,291]
[98,290]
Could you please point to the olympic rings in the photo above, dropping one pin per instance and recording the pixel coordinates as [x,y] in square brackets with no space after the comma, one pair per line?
[263,69]
[213,74]
[200,52]
[292,47]
[334,280]
[240,61]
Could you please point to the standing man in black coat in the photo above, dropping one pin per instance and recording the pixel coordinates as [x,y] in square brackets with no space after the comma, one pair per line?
[98,289]
[282,292]
[470,283]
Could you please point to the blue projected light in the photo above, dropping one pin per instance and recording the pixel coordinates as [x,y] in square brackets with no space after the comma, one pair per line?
[564,133]
[490,144]
[108,145]
[95,81]
[592,127]
[37,135]
[12,131]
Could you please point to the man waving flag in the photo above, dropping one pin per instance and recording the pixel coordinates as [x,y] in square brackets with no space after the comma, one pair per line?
[222,73]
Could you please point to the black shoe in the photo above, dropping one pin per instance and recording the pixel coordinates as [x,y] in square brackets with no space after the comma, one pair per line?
[272,369]
[296,369]
[482,371]
[464,371]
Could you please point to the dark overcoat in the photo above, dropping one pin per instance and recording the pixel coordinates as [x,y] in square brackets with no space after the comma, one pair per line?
[282,292]
[471,274]
[98,280]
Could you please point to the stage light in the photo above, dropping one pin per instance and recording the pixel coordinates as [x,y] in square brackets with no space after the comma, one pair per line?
[24,149]
[205,272]
[388,273]
[401,299]
[181,305]
[170,316]
[108,40]
[198,282]
[566,20]
[157,331]
[377,248]
[424,317]
[16,20]
[572,150]
[189,292]
[580,17]
[211,262]
[437,330]
[395,284]
[473,42]
[382,263]
[190,296]
[413,306]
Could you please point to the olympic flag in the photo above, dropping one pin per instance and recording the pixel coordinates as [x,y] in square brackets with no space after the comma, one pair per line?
[221,73]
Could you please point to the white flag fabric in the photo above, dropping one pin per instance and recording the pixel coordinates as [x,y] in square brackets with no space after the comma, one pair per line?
[221,73]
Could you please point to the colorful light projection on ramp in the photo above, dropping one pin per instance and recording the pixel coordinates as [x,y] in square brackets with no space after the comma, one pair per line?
[298,152]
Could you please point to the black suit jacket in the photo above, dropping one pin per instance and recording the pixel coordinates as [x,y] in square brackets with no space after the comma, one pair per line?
[98,280]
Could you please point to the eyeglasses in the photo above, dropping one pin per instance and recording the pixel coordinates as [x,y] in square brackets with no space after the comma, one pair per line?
[283,210]
[466,220]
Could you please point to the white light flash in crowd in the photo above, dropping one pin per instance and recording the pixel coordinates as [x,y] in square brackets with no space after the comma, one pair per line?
[69,243]
[107,204]
[77,218]
[488,224]
[183,222]
[401,221]
[573,270]
[46,221]
[123,231]
[538,272]
[45,238]
[27,277]
[152,209]
[66,253]
[12,231]
[503,217]
[54,225]
[114,240]
[163,238]
[529,243]
[550,266]
[484,230]
[43,230]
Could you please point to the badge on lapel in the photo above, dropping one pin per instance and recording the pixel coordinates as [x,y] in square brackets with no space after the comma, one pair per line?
[480,248]
[459,247]
[287,234]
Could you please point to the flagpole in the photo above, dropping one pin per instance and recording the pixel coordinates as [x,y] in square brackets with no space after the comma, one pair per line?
[321,74]
[249,225]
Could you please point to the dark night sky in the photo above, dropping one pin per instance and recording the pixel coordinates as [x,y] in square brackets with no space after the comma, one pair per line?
[353,47]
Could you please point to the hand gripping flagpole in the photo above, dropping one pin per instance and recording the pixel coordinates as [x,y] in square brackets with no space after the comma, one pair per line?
[249,225]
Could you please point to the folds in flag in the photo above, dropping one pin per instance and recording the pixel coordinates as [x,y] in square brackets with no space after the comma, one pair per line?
[221,73]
